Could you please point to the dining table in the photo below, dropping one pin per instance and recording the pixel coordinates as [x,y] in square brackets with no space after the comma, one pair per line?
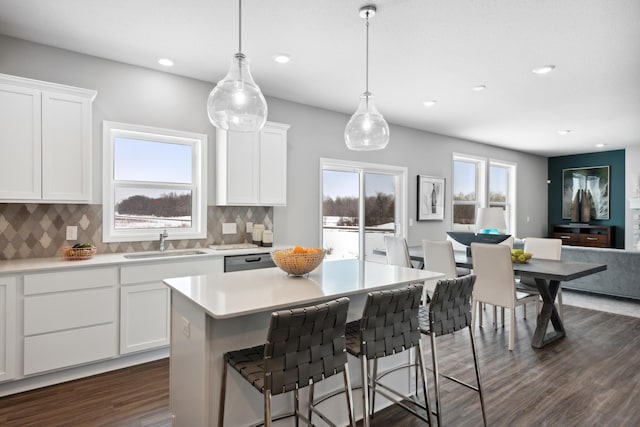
[548,276]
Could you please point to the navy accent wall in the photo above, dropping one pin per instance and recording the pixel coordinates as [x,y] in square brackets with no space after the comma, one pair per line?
[616,162]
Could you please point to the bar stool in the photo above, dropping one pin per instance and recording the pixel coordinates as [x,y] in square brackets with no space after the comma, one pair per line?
[389,325]
[450,311]
[304,346]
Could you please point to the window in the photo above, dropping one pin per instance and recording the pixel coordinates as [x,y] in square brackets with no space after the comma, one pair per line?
[474,188]
[361,203]
[153,179]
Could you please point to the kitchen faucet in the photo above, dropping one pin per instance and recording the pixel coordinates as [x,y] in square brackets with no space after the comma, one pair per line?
[163,236]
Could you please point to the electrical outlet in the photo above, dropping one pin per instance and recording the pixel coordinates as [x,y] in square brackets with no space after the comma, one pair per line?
[72,232]
[186,327]
[249,227]
[229,228]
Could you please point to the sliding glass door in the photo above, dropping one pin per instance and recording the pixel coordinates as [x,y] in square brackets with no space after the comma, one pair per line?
[361,203]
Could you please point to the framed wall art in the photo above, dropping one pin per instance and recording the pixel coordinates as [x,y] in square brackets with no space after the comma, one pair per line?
[585,193]
[430,198]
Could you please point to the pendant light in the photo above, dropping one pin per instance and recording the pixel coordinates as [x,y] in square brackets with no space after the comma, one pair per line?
[367,130]
[236,103]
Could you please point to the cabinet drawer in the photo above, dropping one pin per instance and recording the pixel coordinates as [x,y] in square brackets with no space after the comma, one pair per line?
[67,310]
[70,280]
[597,240]
[567,238]
[68,348]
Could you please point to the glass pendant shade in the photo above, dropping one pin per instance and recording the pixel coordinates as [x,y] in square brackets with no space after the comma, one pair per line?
[367,130]
[236,103]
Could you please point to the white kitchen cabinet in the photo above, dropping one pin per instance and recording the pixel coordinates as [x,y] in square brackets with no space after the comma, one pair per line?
[145,301]
[45,141]
[70,318]
[144,317]
[7,328]
[251,168]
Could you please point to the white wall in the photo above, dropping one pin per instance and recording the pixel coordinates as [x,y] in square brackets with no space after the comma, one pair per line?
[318,133]
[143,96]
[632,185]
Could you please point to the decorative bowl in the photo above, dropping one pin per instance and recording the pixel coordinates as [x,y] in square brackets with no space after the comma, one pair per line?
[298,261]
[519,256]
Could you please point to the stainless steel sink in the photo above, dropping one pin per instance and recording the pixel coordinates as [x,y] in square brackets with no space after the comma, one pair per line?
[167,254]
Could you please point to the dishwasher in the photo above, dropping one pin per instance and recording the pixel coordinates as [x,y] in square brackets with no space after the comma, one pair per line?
[247,262]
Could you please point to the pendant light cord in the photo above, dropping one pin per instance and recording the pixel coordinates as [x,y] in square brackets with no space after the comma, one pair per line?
[240,26]
[367,56]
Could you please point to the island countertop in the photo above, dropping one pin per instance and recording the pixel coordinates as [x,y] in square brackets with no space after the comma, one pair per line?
[228,295]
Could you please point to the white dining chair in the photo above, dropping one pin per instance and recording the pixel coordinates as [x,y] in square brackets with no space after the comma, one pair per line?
[541,248]
[397,251]
[438,256]
[495,282]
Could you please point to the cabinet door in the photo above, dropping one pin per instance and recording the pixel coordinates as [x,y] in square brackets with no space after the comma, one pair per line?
[66,147]
[237,168]
[7,328]
[273,167]
[20,143]
[144,317]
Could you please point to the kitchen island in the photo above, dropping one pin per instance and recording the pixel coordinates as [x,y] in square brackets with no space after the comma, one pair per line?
[212,314]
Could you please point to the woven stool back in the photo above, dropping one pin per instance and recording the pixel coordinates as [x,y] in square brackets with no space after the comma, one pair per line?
[450,308]
[389,321]
[305,344]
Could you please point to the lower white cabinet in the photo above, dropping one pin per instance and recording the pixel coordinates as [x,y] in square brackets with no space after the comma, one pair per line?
[145,303]
[70,318]
[7,328]
[78,320]
[144,317]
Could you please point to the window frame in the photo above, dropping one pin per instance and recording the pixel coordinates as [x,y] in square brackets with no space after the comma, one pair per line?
[483,168]
[198,187]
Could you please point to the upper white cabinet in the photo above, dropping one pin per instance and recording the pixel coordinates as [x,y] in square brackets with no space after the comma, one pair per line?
[45,141]
[251,168]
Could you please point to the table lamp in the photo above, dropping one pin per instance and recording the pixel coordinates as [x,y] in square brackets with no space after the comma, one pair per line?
[491,221]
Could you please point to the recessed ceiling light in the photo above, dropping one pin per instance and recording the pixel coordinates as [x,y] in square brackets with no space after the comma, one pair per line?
[165,62]
[545,69]
[478,88]
[601,145]
[564,131]
[282,58]
[430,103]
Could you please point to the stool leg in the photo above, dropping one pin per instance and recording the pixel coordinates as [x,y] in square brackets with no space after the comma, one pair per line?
[223,391]
[310,414]
[436,377]
[425,389]
[365,390]
[349,394]
[267,408]
[374,378]
[296,406]
[478,379]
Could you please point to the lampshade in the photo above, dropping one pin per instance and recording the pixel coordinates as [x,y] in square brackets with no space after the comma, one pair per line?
[491,219]
[236,103]
[366,130]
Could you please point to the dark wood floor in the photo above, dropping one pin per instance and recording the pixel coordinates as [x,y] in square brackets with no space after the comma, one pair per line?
[590,378]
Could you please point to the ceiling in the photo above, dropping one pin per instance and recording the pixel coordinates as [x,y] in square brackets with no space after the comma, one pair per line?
[419,50]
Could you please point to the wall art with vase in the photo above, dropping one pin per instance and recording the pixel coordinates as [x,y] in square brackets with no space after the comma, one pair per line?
[430,198]
[585,194]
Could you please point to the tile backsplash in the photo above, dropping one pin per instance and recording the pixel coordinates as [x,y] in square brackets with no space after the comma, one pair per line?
[39,230]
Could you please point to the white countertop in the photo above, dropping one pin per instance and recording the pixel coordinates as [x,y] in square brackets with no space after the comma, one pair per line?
[228,295]
[27,265]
